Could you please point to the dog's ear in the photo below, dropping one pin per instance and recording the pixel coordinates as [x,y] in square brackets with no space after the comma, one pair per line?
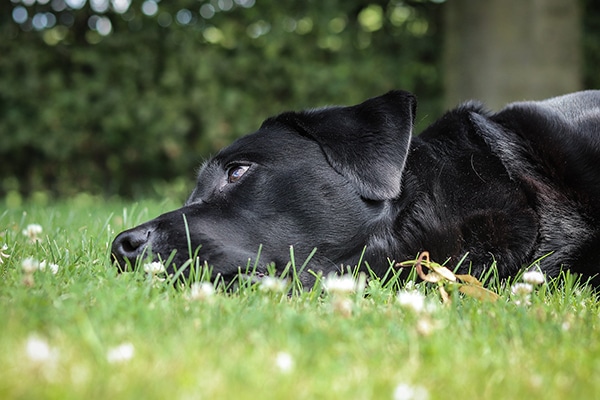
[368,143]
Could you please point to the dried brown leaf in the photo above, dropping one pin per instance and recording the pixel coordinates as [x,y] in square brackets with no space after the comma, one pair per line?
[419,266]
[471,280]
[478,292]
[443,272]
[445,295]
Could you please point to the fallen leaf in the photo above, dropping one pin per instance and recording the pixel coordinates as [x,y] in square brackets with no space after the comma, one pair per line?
[469,279]
[478,292]
[443,272]
[445,295]
[466,284]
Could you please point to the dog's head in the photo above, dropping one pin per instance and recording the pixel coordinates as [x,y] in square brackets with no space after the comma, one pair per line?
[313,179]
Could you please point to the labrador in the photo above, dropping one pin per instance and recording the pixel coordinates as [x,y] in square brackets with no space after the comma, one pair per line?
[351,185]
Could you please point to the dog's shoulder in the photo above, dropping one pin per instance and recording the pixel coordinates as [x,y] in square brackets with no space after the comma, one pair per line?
[562,134]
[576,113]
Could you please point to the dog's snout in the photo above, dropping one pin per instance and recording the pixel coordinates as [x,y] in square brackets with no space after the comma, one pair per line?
[130,245]
[134,241]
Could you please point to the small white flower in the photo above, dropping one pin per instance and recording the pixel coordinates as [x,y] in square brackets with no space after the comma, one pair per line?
[284,362]
[534,277]
[3,254]
[121,353]
[30,265]
[154,268]
[521,289]
[522,293]
[523,301]
[342,285]
[425,326]
[273,284]
[32,231]
[201,291]
[38,350]
[342,305]
[409,392]
[412,300]
[51,266]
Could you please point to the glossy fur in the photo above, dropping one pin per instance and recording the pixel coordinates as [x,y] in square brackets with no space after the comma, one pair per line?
[510,187]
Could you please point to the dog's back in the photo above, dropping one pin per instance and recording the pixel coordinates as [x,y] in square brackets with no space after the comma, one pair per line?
[563,135]
[580,110]
[559,141]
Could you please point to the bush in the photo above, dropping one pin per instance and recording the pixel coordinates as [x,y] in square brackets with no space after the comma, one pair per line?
[115,101]
[116,113]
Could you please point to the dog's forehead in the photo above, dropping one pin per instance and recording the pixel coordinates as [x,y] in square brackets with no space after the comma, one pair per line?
[266,144]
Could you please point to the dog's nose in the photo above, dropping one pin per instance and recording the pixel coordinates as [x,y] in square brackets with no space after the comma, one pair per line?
[130,245]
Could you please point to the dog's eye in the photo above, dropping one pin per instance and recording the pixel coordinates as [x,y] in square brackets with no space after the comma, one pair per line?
[236,172]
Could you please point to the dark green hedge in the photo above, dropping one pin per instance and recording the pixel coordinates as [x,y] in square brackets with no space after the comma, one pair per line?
[116,114]
[125,112]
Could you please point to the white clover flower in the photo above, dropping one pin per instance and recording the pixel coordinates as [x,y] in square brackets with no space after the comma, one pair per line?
[38,350]
[154,268]
[3,254]
[425,326]
[523,301]
[30,265]
[409,392]
[51,266]
[284,362]
[342,305]
[521,289]
[341,285]
[534,277]
[273,284]
[201,291]
[412,300]
[522,293]
[121,353]
[32,231]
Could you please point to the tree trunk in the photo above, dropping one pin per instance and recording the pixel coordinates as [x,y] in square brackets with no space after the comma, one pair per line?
[499,51]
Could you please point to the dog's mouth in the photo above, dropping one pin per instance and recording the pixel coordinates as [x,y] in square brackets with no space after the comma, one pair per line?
[229,278]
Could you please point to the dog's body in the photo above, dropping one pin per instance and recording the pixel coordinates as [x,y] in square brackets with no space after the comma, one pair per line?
[512,187]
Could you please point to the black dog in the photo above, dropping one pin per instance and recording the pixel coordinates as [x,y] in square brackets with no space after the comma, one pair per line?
[512,187]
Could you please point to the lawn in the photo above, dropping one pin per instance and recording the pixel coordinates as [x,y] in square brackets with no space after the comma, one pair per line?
[75,329]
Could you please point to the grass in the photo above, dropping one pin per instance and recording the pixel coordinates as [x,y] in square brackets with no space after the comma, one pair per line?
[60,332]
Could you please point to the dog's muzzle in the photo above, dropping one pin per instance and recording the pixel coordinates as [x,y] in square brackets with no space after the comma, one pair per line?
[129,245]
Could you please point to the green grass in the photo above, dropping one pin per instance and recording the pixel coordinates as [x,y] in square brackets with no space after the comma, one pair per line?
[229,345]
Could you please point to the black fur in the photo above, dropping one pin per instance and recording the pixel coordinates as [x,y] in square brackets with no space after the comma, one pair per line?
[510,188]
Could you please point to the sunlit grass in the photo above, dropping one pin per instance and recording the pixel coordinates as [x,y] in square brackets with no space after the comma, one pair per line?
[81,330]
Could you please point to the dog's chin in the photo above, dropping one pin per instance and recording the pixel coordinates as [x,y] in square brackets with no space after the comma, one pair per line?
[187,268]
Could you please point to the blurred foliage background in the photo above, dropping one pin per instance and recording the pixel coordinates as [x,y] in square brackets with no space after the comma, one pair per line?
[120,97]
